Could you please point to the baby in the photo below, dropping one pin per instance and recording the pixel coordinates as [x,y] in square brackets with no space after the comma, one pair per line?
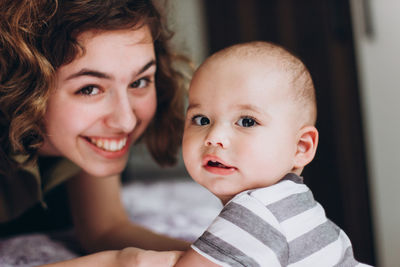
[249,132]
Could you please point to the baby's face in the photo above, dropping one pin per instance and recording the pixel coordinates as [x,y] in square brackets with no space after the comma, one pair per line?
[241,127]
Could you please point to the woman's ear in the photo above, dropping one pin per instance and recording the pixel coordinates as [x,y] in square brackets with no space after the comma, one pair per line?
[307,143]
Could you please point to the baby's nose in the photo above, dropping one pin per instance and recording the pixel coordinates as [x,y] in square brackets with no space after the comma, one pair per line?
[217,137]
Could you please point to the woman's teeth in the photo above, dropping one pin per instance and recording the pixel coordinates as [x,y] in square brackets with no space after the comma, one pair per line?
[109,145]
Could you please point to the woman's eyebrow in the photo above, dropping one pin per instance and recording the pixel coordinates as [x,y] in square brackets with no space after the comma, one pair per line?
[147,66]
[103,75]
[88,72]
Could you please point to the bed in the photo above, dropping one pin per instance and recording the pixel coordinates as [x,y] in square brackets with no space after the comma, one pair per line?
[177,207]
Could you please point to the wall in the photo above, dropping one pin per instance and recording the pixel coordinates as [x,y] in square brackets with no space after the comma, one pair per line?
[379,74]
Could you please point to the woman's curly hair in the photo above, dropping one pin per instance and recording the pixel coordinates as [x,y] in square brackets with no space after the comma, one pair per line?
[37,37]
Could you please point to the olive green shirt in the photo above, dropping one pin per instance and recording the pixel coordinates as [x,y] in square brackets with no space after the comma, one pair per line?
[27,186]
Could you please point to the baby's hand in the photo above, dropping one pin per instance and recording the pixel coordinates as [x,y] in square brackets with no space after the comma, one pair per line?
[147,258]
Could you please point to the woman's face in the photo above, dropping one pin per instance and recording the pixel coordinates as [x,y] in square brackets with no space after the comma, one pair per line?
[103,100]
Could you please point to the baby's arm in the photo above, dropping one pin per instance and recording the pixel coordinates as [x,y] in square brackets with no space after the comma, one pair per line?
[193,259]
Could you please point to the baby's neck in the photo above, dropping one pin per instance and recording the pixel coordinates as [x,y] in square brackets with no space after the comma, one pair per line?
[297,171]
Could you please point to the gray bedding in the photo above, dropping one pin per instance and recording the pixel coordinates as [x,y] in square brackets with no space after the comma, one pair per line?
[179,208]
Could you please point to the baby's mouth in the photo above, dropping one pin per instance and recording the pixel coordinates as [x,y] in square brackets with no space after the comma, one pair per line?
[107,144]
[217,164]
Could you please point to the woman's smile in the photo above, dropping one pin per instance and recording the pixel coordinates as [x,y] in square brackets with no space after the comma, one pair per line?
[109,144]
[110,148]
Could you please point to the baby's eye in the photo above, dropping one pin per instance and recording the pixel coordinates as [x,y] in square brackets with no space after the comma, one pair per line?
[140,83]
[201,120]
[247,122]
[89,90]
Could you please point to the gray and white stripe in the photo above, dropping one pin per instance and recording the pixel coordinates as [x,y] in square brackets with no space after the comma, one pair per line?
[280,225]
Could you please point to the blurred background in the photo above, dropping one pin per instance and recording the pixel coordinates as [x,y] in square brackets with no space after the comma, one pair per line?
[351,49]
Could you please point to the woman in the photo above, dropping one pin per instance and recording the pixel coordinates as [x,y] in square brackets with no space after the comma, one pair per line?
[81,81]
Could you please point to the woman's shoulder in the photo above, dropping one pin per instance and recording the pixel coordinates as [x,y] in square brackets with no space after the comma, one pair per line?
[55,170]
[26,186]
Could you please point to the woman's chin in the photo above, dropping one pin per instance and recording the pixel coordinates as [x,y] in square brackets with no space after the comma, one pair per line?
[104,171]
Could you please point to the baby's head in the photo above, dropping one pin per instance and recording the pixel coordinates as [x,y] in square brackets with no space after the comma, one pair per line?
[250,119]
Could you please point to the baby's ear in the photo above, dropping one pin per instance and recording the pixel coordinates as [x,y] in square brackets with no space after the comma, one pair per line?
[307,143]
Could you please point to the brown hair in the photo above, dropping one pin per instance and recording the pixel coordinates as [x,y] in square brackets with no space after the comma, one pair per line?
[37,37]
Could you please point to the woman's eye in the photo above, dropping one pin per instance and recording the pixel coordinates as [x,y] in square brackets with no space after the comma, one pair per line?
[141,83]
[89,90]
[201,120]
[246,122]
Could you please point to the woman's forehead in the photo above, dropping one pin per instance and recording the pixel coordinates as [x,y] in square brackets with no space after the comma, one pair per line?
[127,36]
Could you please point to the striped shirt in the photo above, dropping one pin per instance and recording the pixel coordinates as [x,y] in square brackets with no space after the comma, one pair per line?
[279,225]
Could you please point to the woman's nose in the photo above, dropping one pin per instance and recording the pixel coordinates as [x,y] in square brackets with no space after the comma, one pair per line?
[122,115]
[217,136]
